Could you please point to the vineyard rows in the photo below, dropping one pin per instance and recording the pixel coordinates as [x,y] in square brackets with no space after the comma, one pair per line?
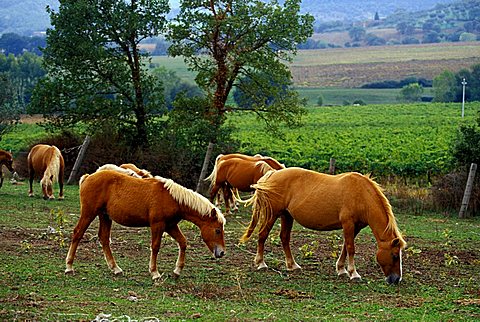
[410,141]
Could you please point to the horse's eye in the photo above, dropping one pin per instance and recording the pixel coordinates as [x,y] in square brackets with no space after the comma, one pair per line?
[218,231]
[395,256]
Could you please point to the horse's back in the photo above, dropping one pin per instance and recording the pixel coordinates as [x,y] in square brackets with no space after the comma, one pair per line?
[316,200]
[240,173]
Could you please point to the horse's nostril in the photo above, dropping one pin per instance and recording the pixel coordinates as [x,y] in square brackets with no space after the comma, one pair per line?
[222,253]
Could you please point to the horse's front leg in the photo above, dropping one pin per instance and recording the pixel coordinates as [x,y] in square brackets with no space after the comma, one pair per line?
[340,265]
[349,243]
[157,232]
[104,229]
[177,234]
[285,233]
[262,237]
[32,176]
[60,182]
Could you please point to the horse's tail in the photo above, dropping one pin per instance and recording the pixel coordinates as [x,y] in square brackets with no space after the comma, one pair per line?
[262,207]
[82,179]
[53,166]
[213,176]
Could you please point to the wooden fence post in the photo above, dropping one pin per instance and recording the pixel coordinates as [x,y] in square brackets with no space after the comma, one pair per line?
[79,159]
[468,191]
[331,169]
[203,173]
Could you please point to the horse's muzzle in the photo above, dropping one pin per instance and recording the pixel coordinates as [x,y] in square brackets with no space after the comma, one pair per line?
[393,279]
[218,252]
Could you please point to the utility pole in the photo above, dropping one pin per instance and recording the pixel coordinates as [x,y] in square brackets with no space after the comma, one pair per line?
[463,97]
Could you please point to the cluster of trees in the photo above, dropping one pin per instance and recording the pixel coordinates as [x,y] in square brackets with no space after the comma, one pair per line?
[98,76]
[11,43]
[18,76]
[447,87]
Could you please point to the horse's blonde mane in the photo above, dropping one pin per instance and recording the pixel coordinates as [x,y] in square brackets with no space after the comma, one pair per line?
[116,168]
[53,167]
[190,198]
[263,166]
[392,226]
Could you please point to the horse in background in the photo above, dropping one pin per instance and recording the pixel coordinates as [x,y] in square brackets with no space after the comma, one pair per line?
[318,201]
[116,168]
[157,203]
[141,172]
[46,161]
[237,172]
[6,159]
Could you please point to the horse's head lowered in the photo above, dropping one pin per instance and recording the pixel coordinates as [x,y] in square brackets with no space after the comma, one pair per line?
[389,257]
[7,160]
[213,233]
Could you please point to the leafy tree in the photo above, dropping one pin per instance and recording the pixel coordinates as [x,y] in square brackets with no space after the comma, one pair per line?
[411,92]
[173,86]
[9,111]
[357,33]
[445,87]
[226,40]
[466,149]
[96,72]
[405,27]
[373,40]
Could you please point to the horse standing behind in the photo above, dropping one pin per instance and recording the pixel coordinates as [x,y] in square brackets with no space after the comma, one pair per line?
[348,201]
[6,159]
[141,172]
[47,161]
[157,203]
[238,172]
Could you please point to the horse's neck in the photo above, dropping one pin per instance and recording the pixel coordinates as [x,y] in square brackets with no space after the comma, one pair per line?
[193,216]
[378,225]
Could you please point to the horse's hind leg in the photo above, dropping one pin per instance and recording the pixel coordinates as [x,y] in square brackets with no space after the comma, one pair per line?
[104,236]
[262,237]
[287,224]
[177,234]
[60,181]
[31,172]
[78,232]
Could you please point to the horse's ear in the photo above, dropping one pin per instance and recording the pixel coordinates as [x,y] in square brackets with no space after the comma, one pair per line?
[396,242]
[213,213]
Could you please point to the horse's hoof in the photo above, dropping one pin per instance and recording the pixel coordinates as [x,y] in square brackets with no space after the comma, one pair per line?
[117,271]
[262,267]
[156,276]
[175,276]
[356,279]
[294,269]
[61,198]
[69,271]
[30,195]
[342,272]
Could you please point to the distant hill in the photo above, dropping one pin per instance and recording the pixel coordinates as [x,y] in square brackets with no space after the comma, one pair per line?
[25,17]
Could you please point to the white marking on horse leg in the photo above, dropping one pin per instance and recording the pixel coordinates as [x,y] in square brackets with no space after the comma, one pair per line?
[293,267]
[155,275]
[30,194]
[260,262]
[177,271]
[69,269]
[340,265]
[117,270]
[354,276]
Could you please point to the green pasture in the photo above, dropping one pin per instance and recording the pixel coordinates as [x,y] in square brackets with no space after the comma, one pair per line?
[347,96]
[407,140]
[441,269]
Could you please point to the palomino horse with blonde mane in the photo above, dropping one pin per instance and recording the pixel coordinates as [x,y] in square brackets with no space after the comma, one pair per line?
[46,161]
[238,172]
[157,203]
[141,172]
[6,159]
[348,201]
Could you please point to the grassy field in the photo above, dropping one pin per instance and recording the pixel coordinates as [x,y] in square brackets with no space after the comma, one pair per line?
[441,268]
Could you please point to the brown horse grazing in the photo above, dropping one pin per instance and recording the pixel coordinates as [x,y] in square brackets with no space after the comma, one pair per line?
[6,159]
[349,201]
[47,161]
[238,172]
[157,203]
[141,172]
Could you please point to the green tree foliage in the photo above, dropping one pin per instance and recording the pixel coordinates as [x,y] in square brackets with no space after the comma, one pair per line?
[9,109]
[405,27]
[96,72]
[466,149]
[357,33]
[445,87]
[23,71]
[241,39]
[411,92]
[173,86]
